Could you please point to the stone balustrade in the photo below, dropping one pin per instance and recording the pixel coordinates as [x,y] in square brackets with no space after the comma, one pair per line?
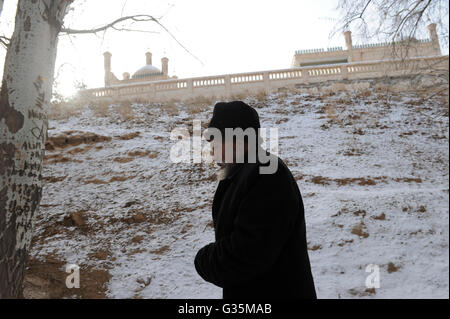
[225,86]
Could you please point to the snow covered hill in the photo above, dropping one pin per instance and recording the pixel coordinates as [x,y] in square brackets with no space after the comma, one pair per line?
[372,167]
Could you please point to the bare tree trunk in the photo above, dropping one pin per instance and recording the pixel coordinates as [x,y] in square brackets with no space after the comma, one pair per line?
[24,97]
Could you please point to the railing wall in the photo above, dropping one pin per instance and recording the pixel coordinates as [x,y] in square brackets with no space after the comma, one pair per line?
[267,81]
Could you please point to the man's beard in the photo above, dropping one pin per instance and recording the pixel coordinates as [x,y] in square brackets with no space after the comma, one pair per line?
[224,169]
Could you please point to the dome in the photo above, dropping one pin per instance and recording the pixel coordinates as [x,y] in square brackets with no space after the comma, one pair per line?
[147,70]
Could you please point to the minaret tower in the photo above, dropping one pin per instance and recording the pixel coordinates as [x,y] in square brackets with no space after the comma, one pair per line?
[107,64]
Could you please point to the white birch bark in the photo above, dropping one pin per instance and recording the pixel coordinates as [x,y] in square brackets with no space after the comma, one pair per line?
[24,97]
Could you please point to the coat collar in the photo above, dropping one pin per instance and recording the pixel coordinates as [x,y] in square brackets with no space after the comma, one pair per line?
[237,167]
[234,170]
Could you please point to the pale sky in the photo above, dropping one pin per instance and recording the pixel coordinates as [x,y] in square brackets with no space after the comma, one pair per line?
[227,36]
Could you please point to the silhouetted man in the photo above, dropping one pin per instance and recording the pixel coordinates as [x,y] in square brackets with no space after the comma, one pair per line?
[260,246]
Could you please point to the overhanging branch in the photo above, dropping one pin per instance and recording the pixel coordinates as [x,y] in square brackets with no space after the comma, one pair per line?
[109,25]
[135,18]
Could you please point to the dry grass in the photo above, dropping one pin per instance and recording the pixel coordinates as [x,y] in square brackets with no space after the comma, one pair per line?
[359,131]
[362,181]
[100,108]
[330,110]
[195,108]
[203,100]
[315,247]
[392,268]
[422,209]
[239,96]
[171,107]
[137,239]
[380,217]
[64,110]
[345,241]
[338,87]
[320,180]
[143,153]
[327,92]
[293,90]
[123,159]
[73,138]
[261,96]
[281,121]
[52,179]
[409,179]
[121,178]
[353,152]
[95,181]
[128,136]
[125,111]
[199,104]
[80,150]
[381,88]
[282,94]
[139,153]
[139,101]
[153,155]
[360,230]
[363,93]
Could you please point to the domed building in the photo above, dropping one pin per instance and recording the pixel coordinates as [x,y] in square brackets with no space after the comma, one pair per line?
[146,73]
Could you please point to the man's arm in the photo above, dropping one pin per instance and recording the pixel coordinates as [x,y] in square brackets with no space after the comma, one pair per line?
[261,227]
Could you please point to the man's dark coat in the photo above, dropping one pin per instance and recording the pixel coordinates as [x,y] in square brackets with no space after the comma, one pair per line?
[260,249]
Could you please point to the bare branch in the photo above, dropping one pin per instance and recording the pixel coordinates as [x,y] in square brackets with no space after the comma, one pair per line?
[107,26]
[4,41]
[409,15]
[365,8]
[399,22]
[179,43]
[135,18]
[391,18]
[123,7]
[134,30]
